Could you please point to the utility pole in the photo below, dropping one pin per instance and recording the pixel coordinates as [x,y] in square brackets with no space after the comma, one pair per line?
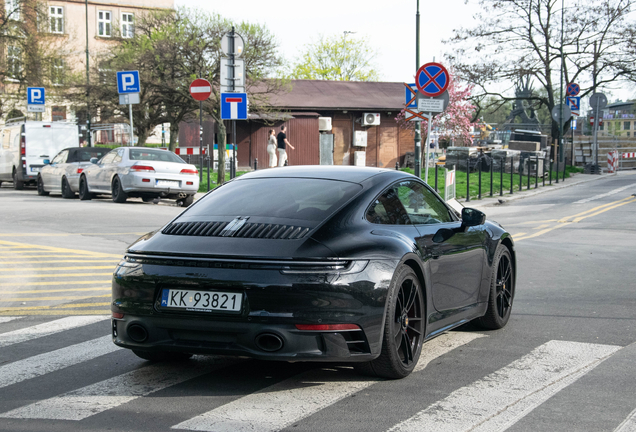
[418,135]
[88,106]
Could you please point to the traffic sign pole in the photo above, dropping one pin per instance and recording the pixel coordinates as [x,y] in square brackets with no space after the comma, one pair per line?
[418,134]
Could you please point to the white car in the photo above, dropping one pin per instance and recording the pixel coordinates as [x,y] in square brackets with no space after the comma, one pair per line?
[140,172]
[61,175]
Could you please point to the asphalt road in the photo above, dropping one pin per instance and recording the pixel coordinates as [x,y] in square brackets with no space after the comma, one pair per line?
[565,362]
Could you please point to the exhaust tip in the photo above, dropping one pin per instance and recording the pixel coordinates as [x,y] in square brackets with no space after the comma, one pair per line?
[137,333]
[268,342]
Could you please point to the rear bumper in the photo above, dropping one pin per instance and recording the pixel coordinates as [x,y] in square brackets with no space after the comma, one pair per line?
[160,183]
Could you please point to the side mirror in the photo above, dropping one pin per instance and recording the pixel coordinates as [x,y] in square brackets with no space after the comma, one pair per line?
[472,217]
[46,162]
[94,160]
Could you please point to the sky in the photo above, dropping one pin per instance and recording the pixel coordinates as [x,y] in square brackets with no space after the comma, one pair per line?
[388,25]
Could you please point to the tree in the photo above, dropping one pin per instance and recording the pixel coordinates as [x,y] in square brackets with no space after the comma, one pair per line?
[522,38]
[456,122]
[337,58]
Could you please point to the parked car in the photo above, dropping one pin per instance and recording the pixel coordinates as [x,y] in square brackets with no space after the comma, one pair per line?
[24,145]
[142,173]
[320,263]
[61,175]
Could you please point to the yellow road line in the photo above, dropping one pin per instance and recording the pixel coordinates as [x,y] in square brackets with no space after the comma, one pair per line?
[54,275]
[58,312]
[59,250]
[65,256]
[537,234]
[80,305]
[60,268]
[520,234]
[62,261]
[53,283]
[534,222]
[578,219]
[24,299]
[56,290]
[565,219]
[536,228]
[69,234]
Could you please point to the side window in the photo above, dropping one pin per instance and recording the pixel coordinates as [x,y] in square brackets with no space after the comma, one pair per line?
[120,154]
[109,157]
[388,210]
[421,205]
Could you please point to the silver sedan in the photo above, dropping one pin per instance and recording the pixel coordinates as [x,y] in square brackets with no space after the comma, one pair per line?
[61,175]
[140,172]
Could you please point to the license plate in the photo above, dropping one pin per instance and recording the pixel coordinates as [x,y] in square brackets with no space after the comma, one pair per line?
[201,301]
[168,183]
[35,169]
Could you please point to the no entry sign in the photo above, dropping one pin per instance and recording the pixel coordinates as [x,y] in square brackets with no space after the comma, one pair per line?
[200,89]
[432,79]
[573,89]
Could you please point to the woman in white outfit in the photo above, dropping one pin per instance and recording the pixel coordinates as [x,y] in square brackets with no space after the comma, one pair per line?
[271,148]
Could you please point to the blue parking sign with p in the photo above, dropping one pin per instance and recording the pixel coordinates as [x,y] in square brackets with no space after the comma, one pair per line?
[128,82]
[35,95]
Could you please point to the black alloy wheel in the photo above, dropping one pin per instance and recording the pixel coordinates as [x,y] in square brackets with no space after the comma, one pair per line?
[66,189]
[84,194]
[502,291]
[403,328]
[17,184]
[41,190]
[119,196]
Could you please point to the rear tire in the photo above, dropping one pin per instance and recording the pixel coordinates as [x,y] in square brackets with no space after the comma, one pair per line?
[403,328]
[118,194]
[41,190]
[66,189]
[186,202]
[502,291]
[84,194]
[162,356]
[17,184]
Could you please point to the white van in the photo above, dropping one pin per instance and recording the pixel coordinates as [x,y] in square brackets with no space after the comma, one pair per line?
[24,145]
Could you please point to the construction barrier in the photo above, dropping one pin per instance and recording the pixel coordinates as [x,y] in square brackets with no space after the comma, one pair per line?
[612,161]
[629,155]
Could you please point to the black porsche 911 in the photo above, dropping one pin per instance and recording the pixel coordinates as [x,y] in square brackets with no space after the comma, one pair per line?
[313,263]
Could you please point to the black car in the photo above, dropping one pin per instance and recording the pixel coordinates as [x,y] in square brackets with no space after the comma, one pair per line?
[314,263]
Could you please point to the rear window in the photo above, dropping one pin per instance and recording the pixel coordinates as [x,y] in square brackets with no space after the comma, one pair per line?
[154,155]
[290,198]
[85,154]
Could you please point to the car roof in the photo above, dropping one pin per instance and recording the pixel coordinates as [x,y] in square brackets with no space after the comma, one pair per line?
[348,173]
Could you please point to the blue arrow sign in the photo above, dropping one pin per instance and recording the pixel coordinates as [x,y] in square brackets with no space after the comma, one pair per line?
[35,95]
[128,82]
[234,106]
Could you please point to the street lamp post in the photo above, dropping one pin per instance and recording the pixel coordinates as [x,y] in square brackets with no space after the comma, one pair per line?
[88,91]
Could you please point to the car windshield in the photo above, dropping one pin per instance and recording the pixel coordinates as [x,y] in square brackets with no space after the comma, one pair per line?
[154,155]
[293,198]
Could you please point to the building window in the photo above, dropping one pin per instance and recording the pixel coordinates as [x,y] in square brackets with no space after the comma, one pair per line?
[104,22]
[56,16]
[12,9]
[57,71]
[626,125]
[628,133]
[58,113]
[127,26]
[14,61]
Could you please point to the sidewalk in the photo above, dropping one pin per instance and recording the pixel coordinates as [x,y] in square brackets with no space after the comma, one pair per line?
[576,179]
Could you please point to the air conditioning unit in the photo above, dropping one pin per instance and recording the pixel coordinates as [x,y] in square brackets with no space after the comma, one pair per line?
[324,123]
[371,119]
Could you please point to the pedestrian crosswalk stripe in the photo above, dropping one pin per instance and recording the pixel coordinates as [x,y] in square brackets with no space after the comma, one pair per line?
[113,392]
[291,400]
[26,299]
[499,400]
[14,284]
[629,424]
[41,364]
[8,318]
[59,312]
[21,269]
[55,275]
[46,329]
[78,260]
[102,288]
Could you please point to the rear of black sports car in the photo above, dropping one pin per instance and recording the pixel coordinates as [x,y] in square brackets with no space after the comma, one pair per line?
[254,281]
